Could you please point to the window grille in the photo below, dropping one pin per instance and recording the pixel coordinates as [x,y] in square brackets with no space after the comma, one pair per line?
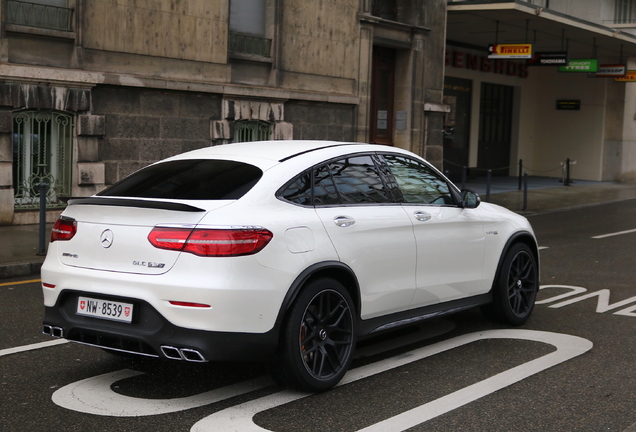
[624,12]
[248,44]
[49,14]
[42,150]
[248,130]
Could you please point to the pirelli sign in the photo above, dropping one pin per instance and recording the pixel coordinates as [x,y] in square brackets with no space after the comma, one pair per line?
[510,51]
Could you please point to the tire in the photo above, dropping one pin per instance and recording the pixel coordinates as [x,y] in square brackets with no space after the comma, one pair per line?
[515,287]
[318,338]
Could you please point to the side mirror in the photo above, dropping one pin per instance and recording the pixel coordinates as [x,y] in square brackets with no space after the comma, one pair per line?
[470,199]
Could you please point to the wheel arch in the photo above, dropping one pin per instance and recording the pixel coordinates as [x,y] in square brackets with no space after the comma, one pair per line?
[332,269]
[519,237]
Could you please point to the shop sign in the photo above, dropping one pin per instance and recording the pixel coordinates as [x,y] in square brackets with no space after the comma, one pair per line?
[630,76]
[584,65]
[549,59]
[568,105]
[611,71]
[510,51]
[481,63]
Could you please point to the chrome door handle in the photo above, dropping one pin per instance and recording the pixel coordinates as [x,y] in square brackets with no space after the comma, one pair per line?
[344,221]
[422,216]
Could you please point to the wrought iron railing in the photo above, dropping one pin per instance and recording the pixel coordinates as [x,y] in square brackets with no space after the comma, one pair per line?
[39,15]
[249,130]
[42,152]
[247,44]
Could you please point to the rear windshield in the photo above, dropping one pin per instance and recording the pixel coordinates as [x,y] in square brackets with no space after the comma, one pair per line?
[189,179]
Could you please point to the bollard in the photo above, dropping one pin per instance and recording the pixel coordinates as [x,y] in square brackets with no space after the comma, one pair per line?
[464,175]
[567,172]
[520,170]
[525,191]
[488,181]
[42,246]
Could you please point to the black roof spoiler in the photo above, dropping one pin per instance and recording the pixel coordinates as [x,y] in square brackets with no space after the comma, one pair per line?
[121,202]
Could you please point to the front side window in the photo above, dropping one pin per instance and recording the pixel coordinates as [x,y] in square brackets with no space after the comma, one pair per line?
[419,183]
[42,153]
[189,179]
[48,14]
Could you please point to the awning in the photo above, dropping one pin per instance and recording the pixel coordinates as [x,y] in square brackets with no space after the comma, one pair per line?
[478,24]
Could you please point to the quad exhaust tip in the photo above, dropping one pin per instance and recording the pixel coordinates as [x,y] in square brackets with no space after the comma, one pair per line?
[56,332]
[186,354]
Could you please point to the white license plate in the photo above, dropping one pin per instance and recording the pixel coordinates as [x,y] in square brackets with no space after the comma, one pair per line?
[105,309]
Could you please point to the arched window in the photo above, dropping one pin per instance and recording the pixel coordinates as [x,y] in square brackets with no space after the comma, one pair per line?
[42,150]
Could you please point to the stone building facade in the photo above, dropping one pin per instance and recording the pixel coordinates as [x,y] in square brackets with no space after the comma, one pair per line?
[92,90]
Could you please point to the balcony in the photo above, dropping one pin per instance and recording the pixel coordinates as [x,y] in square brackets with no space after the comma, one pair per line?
[39,15]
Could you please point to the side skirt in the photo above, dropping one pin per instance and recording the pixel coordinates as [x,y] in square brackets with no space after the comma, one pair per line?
[389,322]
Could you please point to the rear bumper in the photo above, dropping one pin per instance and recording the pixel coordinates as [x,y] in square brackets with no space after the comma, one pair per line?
[150,334]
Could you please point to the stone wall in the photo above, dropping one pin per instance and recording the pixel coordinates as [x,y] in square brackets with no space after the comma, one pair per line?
[321,121]
[143,126]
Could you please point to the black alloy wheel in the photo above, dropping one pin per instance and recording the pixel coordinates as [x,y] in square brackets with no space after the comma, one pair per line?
[319,337]
[516,287]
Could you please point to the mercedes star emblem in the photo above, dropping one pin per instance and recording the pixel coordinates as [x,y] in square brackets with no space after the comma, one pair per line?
[106,238]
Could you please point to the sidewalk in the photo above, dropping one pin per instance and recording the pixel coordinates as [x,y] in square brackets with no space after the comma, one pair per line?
[19,256]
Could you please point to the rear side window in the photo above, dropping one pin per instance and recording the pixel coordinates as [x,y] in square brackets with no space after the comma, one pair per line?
[351,180]
[358,181]
[189,179]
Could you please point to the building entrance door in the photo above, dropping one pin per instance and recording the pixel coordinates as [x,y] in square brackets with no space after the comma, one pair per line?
[382,91]
[495,128]
[458,96]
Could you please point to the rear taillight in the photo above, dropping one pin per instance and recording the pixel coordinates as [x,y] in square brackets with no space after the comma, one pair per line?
[211,242]
[64,229]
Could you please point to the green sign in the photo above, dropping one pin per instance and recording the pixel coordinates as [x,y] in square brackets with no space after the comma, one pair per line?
[587,65]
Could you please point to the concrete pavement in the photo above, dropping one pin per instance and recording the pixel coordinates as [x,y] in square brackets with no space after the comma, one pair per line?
[19,254]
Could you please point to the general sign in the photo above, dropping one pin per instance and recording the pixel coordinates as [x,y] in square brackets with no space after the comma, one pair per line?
[585,65]
[549,59]
[510,51]
[611,71]
[568,105]
[630,76]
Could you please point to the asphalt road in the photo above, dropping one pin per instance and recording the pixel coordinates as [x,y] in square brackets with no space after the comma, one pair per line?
[570,368]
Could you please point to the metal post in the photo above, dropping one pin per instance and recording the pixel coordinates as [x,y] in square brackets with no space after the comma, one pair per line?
[525,191]
[520,171]
[567,172]
[488,181]
[42,245]
[464,175]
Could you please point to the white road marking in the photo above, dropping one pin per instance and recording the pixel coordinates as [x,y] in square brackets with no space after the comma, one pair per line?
[240,417]
[34,346]
[574,291]
[95,396]
[614,234]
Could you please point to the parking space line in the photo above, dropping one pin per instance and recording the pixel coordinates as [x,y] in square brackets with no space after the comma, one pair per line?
[614,234]
[240,417]
[30,347]
[20,282]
